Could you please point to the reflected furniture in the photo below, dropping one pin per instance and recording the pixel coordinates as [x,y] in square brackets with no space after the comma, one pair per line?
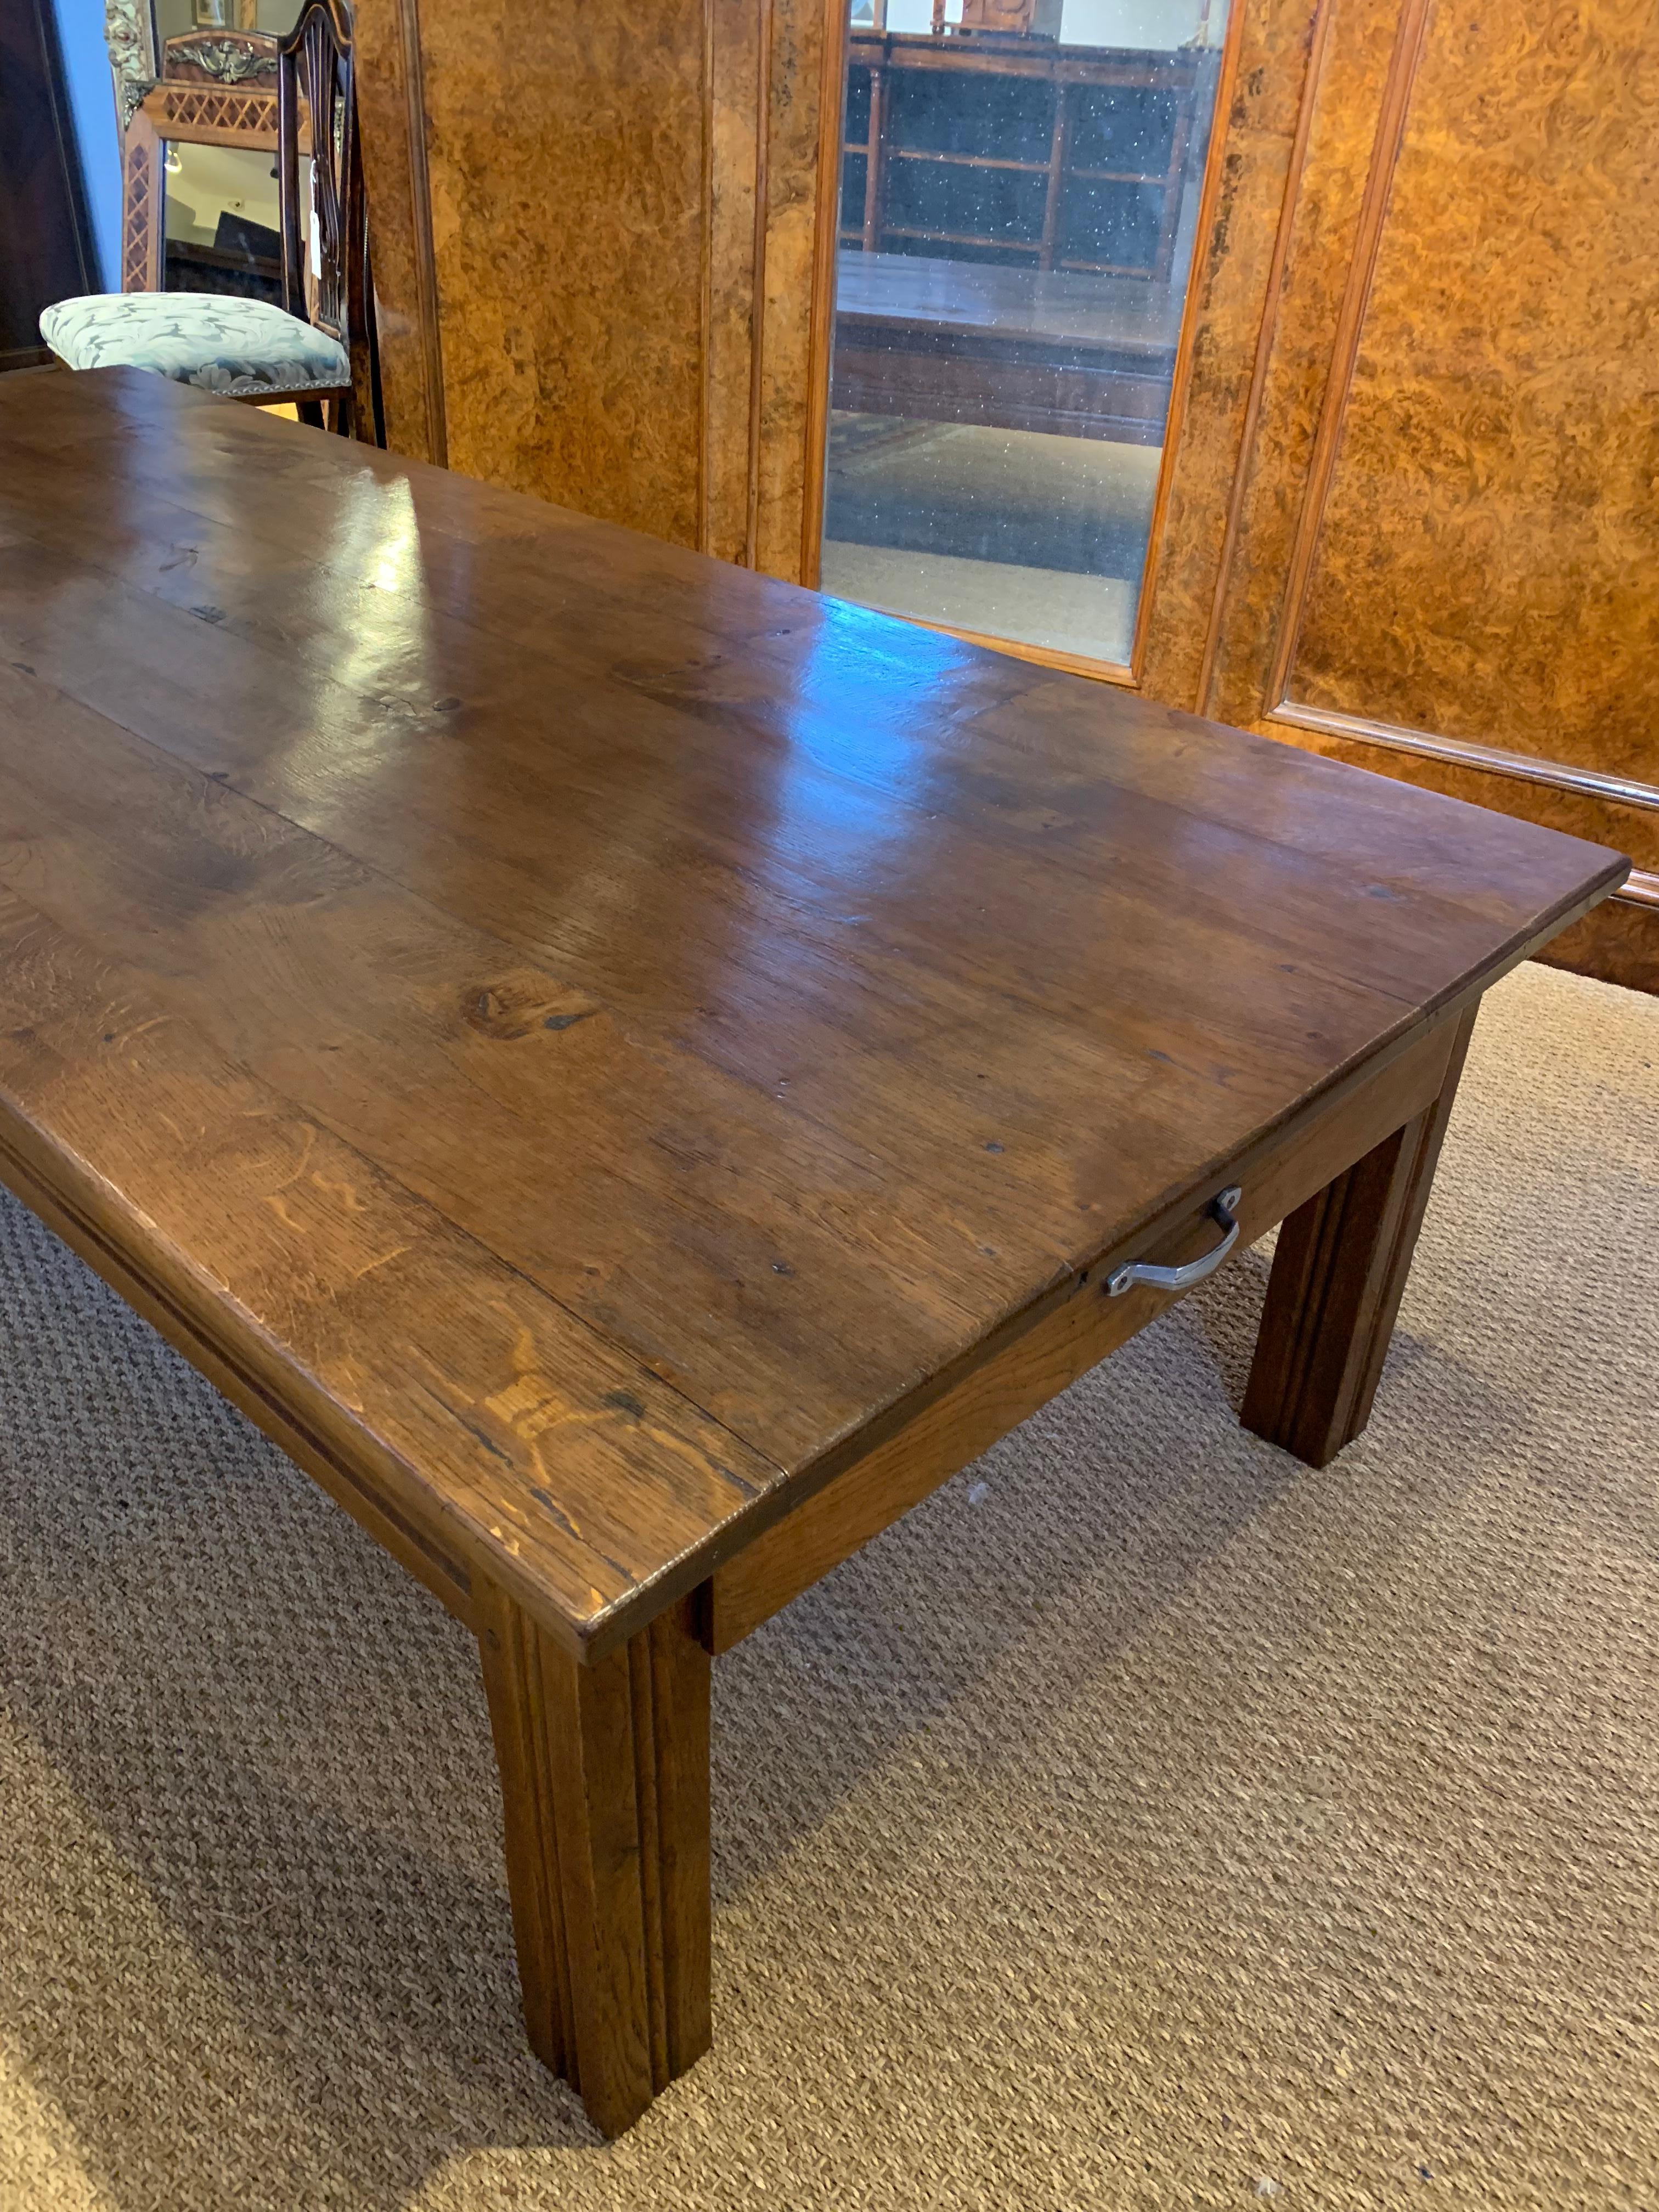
[245,259]
[1023,154]
[644,1143]
[1017,348]
[1010,213]
[216,88]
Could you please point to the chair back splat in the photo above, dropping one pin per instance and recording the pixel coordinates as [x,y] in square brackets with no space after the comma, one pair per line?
[329,284]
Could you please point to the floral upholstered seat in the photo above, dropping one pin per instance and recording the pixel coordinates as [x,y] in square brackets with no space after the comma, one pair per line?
[243,347]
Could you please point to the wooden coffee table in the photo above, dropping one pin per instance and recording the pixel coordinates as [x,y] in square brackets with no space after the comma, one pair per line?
[632,1073]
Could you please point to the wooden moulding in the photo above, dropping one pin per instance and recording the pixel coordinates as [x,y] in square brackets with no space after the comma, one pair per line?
[1194,309]
[392,128]
[1064,1338]
[1350,326]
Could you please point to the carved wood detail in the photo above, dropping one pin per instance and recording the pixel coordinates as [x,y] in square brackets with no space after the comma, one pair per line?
[138,231]
[201,109]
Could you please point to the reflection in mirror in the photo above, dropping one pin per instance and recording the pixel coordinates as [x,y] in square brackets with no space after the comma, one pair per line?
[222,220]
[1020,182]
[174,17]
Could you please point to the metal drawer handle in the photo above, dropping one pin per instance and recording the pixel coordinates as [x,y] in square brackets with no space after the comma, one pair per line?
[1182,1279]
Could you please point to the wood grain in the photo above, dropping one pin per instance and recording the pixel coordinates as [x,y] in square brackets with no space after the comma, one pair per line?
[392,126]
[1063,1340]
[1441,501]
[1236,275]
[780,998]
[602,276]
[249,1228]
[1338,1270]
[606,1056]
[605,1779]
[1492,464]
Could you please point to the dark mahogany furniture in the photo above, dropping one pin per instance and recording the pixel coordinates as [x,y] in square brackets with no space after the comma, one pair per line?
[633,1073]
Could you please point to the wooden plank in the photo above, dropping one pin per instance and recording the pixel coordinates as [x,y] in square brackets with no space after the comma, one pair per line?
[363,1331]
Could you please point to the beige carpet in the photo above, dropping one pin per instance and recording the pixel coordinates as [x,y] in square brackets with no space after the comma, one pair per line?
[1094,615]
[1148,1822]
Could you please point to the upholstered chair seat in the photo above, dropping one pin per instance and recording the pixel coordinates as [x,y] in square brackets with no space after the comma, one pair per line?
[245,347]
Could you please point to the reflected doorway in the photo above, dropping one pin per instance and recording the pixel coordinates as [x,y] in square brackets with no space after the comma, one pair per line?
[1019,193]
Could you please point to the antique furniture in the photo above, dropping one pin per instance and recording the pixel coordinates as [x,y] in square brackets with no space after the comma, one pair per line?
[1020,202]
[315,348]
[246,258]
[1405,511]
[633,1073]
[326,273]
[1026,349]
[215,88]
[1030,155]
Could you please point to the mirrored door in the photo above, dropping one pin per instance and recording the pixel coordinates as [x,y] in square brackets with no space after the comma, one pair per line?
[1020,185]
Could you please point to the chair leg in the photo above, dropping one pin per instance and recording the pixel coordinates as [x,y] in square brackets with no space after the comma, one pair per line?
[310,411]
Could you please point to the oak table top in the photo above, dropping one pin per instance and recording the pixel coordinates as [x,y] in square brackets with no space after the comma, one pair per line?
[589,1045]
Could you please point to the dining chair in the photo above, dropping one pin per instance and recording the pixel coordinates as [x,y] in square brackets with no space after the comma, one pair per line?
[318,350]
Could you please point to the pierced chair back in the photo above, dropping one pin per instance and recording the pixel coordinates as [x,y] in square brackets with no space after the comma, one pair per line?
[326,279]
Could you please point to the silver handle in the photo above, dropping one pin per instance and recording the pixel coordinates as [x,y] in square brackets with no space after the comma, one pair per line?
[1182,1279]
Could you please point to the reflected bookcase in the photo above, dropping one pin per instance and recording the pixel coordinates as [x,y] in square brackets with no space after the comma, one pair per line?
[1018,152]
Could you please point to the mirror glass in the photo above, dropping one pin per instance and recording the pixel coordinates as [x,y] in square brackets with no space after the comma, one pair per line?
[1020,182]
[174,17]
[222,220]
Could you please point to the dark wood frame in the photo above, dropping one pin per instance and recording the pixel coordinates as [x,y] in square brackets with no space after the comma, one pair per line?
[316,105]
[47,247]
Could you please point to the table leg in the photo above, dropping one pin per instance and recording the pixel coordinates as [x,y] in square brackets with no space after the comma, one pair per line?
[1338,1273]
[604,1781]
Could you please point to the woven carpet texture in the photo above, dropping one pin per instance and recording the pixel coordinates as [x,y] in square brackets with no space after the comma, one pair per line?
[1147,1821]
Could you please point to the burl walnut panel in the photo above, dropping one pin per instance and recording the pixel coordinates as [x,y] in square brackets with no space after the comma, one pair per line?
[1236,279]
[618,303]
[1484,567]
[1440,501]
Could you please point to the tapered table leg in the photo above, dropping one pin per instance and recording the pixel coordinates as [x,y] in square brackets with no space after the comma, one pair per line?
[604,1780]
[1338,1275]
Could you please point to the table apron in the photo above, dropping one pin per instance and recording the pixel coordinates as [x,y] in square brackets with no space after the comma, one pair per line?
[398,1524]
[1065,1337]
